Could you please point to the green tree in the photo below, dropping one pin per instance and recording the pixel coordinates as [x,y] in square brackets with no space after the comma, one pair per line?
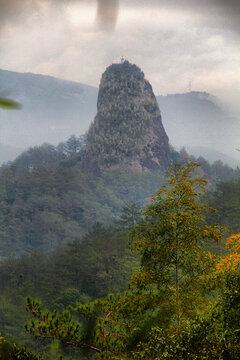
[11,351]
[173,243]
[225,198]
[164,293]
[131,215]
[72,146]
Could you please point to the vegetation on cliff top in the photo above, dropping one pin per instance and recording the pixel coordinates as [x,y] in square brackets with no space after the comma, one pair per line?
[125,70]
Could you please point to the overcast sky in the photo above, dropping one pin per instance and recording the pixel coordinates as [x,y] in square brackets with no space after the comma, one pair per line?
[173,41]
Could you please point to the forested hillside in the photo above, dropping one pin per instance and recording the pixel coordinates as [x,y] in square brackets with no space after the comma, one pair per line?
[131,262]
[101,262]
[47,200]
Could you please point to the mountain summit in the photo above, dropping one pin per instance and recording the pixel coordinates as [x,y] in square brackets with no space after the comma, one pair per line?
[127,130]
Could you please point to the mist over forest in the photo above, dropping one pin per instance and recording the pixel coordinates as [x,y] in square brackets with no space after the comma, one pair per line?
[119,180]
[54,109]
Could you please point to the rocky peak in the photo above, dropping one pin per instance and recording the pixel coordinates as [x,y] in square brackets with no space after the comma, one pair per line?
[127,130]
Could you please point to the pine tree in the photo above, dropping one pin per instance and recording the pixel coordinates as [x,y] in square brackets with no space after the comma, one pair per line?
[164,293]
[173,244]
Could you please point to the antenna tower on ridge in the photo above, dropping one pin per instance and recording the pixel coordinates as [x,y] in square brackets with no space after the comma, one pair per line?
[190,86]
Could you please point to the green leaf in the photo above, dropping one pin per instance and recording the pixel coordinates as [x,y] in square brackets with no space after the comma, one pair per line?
[9,104]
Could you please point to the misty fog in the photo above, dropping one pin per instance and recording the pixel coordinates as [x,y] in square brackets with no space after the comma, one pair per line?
[54,109]
[174,43]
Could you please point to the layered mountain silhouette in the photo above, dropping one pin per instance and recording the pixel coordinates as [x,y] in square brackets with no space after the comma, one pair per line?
[54,109]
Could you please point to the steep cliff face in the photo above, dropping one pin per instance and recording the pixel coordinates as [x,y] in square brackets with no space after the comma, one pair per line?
[127,130]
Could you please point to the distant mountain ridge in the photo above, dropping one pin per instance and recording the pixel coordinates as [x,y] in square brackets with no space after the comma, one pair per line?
[54,109]
[196,119]
[212,155]
[9,153]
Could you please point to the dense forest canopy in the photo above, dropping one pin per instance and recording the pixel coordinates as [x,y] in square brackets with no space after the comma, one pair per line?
[92,265]
[47,200]
[118,281]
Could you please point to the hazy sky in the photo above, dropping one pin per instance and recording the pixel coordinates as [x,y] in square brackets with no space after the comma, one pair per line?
[173,41]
